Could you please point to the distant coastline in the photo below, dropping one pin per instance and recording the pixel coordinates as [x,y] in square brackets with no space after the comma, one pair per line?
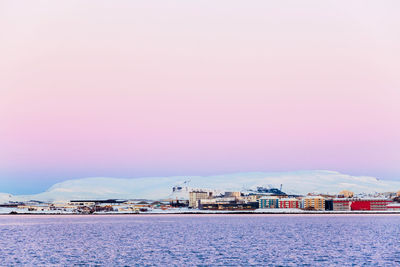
[216,213]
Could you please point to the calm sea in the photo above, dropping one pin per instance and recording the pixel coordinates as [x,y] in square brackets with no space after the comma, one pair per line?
[179,240]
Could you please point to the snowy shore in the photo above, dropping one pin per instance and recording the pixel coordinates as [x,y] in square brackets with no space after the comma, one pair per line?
[12,211]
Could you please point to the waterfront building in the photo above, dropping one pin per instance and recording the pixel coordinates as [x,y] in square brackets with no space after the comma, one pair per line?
[86,203]
[314,202]
[289,203]
[341,204]
[176,203]
[328,204]
[301,203]
[226,204]
[373,204]
[38,207]
[128,209]
[268,203]
[195,196]
[251,198]
[63,205]
[393,207]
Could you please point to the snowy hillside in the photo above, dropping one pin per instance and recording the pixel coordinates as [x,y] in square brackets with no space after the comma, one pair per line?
[5,198]
[300,182]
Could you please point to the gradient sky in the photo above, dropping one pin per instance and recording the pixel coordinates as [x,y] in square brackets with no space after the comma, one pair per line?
[129,88]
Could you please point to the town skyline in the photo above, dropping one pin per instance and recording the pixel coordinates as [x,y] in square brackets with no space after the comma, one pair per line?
[296,183]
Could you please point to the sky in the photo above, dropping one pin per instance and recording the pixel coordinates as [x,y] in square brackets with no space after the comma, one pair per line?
[162,88]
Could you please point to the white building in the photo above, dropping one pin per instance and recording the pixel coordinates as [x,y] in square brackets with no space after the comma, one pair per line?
[195,196]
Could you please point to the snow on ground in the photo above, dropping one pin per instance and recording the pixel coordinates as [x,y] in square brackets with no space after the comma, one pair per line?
[194,211]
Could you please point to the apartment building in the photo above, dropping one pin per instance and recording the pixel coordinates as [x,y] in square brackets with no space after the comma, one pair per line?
[314,202]
[268,203]
[289,203]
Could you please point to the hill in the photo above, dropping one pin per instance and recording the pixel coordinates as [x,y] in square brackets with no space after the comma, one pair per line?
[299,182]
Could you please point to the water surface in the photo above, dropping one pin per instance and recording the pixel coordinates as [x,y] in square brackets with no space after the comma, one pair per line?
[137,240]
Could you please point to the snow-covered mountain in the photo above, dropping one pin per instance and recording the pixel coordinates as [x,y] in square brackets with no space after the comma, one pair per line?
[300,182]
[5,198]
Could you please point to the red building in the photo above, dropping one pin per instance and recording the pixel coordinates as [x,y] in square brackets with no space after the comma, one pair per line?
[394,207]
[341,204]
[374,204]
[289,203]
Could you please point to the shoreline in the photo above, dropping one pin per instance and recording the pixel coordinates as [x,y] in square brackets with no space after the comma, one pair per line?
[218,213]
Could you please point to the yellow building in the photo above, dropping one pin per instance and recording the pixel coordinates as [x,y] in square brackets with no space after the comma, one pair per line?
[233,194]
[317,203]
[346,194]
[398,193]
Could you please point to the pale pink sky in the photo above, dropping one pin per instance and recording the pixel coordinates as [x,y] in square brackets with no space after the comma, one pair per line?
[124,88]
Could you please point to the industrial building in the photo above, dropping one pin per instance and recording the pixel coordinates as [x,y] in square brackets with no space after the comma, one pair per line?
[230,203]
[341,204]
[195,196]
[393,207]
[374,204]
